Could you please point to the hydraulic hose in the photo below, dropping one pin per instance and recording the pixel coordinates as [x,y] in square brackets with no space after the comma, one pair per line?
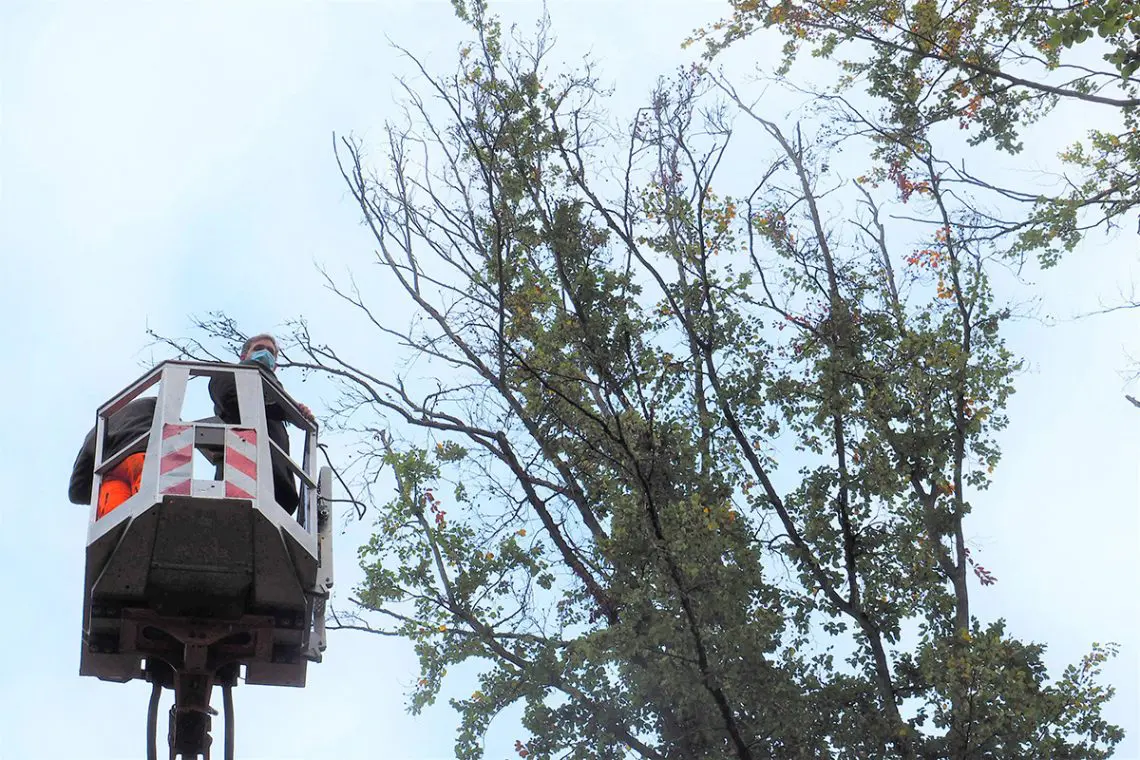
[228,709]
[152,722]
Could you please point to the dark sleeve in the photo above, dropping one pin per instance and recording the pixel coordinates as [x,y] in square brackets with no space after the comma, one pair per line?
[223,392]
[273,411]
[83,472]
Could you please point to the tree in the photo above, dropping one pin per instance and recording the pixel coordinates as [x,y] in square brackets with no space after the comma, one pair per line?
[991,69]
[688,473]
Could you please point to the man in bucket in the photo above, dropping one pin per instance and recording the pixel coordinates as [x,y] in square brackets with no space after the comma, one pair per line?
[261,351]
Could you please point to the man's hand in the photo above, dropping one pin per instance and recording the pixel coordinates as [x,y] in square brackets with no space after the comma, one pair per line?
[308,413]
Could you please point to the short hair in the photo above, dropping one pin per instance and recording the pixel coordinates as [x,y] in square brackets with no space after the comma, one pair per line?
[263,336]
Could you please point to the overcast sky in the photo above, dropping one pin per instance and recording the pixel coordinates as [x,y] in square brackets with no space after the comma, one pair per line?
[158,160]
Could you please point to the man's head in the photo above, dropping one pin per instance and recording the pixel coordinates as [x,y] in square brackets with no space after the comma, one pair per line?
[261,348]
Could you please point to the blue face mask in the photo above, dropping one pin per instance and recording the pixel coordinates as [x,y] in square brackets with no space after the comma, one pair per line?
[264,357]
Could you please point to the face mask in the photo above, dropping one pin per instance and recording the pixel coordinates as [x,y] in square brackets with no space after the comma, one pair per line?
[264,357]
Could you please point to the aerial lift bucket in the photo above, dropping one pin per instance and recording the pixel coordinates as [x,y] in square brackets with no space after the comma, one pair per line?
[193,578]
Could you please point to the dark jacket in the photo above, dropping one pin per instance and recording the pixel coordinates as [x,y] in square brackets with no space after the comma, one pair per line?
[123,427]
[223,390]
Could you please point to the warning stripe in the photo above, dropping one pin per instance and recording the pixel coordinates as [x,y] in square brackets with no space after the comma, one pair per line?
[176,464]
[241,463]
[176,459]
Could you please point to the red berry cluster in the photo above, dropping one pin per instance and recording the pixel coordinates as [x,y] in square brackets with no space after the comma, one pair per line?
[433,504]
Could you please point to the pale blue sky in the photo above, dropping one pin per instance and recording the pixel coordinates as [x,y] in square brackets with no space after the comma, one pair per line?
[158,160]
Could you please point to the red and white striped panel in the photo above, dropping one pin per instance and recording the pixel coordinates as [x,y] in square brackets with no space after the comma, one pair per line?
[241,463]
[177,461]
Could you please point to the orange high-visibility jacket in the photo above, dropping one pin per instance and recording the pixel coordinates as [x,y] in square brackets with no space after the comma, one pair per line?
[123,427]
